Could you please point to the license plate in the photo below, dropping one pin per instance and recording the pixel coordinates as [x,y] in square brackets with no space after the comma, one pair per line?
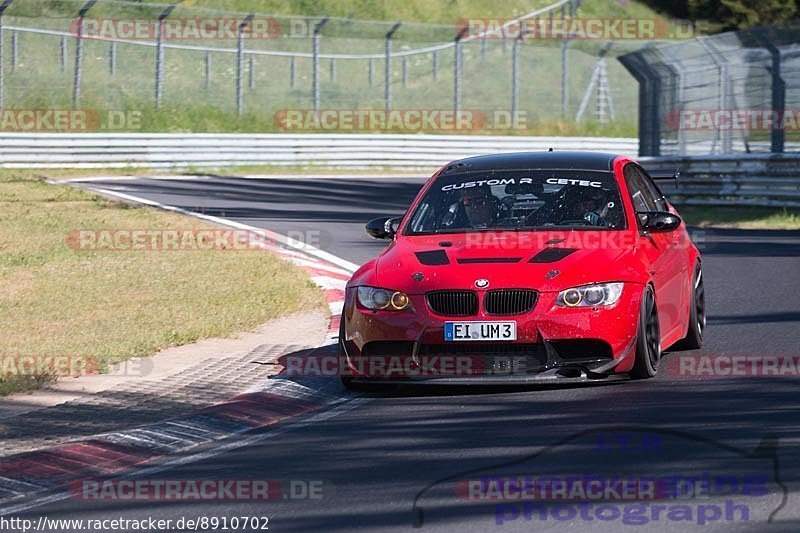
[480,331]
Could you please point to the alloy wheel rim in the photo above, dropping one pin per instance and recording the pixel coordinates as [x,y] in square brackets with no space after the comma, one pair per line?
[700,303]
[652,334]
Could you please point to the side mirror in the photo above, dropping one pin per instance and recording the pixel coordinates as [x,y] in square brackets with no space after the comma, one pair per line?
[382,227]
[658,221]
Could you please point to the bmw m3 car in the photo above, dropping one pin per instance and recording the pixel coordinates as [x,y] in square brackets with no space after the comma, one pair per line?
[523,267]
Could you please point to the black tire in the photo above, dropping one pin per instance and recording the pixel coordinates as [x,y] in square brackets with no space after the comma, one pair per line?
[346,380]
[648,338]
[697,314]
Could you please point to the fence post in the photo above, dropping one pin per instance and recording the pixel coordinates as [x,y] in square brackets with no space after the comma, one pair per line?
[677,68]
[112,58]
[564,77]
[333,70]
[76,76]
[435,65]
[649,91]
[14,49]
[239,63]
[63,51]
[388,66]
[3,7]
[369,71]
[315,50]
[515,74]
[483,48]
[251,71]
[723,95]
[207,68]
[457,72]
[778,134]
[160,53]
[405,71]
[292,72]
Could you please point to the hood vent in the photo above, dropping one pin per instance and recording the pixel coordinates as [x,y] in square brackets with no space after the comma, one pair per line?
[488,260]
[433,258]
[551,255]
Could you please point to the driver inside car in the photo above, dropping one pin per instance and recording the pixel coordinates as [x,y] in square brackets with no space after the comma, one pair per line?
[480,206]
[588,209]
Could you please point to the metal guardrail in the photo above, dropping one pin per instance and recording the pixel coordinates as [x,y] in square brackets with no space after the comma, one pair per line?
[744,179]
[755,179]
[101,150]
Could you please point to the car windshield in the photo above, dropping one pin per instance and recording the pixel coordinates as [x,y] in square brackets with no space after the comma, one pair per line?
[516,200]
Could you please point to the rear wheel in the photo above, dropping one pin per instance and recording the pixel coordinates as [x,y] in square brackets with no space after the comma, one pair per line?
[697,314]
[648,338]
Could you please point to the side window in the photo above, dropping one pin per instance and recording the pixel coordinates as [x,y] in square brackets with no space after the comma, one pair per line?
[642,198]
[653,191]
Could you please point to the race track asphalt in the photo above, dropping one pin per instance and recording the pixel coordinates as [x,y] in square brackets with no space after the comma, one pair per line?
[393,460]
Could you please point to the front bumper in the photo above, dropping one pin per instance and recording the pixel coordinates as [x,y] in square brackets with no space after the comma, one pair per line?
[553,343]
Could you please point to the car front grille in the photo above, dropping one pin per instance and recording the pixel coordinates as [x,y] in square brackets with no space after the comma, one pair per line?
[490,358]
[509,301]
[453,303]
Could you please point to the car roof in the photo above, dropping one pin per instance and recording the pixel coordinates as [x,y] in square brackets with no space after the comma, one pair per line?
[597,161]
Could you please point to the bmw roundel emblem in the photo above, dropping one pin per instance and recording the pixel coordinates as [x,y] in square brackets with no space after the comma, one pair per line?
[481,283]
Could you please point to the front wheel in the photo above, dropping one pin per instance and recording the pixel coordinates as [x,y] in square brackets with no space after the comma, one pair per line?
[648,338]
[347,381]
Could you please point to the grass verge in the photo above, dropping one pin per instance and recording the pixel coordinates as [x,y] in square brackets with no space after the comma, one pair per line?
[742,217]
[109,306]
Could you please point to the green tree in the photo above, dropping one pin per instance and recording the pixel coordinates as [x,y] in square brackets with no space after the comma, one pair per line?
[737,14]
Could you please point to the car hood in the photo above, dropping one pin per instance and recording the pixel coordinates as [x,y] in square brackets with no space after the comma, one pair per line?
[545,261]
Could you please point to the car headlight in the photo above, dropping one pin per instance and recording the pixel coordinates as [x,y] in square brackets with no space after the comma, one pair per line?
[590,295]
[375,298]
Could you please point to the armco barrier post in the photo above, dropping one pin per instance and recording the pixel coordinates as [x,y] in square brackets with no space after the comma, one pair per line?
[387,78]
[76,76]
[160,53]
[239,63]
[315,69]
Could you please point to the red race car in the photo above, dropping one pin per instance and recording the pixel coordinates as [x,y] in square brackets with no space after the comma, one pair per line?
[563,266]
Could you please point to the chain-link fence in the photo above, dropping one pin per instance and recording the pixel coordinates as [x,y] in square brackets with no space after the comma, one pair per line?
[252,68]
[735,92]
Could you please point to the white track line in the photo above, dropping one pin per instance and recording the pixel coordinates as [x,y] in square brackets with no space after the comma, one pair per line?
[183,177]
[291,243]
